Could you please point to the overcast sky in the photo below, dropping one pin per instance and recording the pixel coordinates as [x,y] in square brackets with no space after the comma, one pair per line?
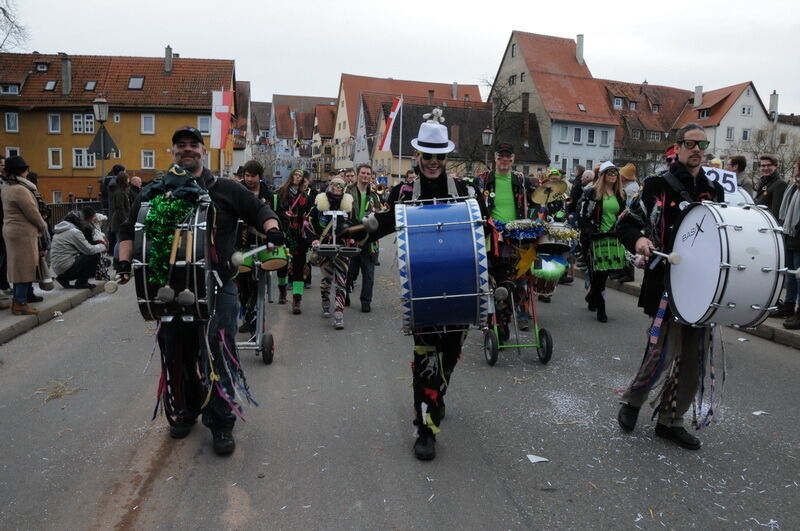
[301,47]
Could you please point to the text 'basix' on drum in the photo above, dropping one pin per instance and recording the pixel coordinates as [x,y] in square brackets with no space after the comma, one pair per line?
[731,265]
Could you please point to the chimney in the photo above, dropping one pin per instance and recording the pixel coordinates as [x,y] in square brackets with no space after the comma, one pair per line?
[168,59]
[644,86]
[526,121]
[773,103]
[579,49]
[455,90]
[66,74]
[698,96]
[430,97]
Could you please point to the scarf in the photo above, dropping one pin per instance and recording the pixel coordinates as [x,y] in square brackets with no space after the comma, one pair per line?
[789,213]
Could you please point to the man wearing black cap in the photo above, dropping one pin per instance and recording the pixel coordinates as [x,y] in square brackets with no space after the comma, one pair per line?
[506,195]
[186,390]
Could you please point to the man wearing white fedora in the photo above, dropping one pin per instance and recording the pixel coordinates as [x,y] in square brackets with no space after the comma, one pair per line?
[436,349]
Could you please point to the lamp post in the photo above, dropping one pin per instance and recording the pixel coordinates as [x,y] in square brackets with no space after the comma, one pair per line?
[89,190]
[100,107]
[486,136]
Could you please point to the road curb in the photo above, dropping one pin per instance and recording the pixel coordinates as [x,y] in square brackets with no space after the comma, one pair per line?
[770,329]
[16,325]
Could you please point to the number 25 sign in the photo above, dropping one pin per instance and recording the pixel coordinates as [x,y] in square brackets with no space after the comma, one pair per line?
[727,179]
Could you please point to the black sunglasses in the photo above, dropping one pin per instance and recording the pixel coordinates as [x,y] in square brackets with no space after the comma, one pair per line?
[690,144]
[429,156]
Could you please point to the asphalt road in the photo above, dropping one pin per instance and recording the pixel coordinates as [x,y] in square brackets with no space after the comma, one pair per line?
[330,446]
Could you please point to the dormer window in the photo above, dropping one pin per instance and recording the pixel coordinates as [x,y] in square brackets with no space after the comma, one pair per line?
[50,86]
[41,67]
[9,89]
[90,85]
[632,105]
[705,113]
[582,107]
[618,103]
[654,108]
[136,83]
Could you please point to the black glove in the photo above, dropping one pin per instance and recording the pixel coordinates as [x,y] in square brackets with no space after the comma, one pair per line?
[124,267]
[276,237]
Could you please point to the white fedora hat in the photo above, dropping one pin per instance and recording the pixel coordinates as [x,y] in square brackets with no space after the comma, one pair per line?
[432,138]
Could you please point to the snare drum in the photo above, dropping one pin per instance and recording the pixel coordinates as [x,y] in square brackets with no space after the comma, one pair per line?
[270,259]
[441,257]
[191,270]
[608,254]
[729,272]
[546,272]
[556,241]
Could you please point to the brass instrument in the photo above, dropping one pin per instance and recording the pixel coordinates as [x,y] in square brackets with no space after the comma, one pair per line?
[378,189]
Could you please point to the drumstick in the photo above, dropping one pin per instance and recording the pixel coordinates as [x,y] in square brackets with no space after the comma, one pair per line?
[166,293]
[238,257]
[672,258]
[186,297]
[111,286]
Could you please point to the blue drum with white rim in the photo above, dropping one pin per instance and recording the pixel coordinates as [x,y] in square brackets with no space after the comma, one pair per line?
[441,256]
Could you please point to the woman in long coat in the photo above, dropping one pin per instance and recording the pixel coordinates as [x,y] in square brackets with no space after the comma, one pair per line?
[22,225]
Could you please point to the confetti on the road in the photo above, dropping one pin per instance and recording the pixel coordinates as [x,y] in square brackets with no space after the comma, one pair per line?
[742,339]
[567,422]
[759,413]
[615,358]
[58,316]
[57,390]
[429,499]
[537,459]
[284,507]
[135,508]
[169,478]
[772,524]
[639,517]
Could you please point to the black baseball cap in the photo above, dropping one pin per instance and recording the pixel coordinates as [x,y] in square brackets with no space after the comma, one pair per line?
[504,146]
[187,130]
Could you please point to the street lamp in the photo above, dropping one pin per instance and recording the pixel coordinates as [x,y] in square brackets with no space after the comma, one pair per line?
[487,136]
[100,107]
[89,190]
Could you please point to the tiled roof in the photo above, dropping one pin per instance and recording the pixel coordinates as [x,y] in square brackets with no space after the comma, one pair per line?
[353,86]
[326,120]
[469,124]
[284,105]
[718,102]
[305,125]
[791,119]
[561,82]
[188,86]
[261,111]
[671,102]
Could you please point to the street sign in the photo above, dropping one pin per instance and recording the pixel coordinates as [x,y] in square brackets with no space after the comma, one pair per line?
[103,145]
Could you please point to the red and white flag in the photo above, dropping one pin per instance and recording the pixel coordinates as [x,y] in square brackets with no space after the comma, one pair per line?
[221,109]
[387,133]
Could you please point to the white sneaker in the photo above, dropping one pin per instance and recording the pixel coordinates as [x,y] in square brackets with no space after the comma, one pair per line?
[338,320]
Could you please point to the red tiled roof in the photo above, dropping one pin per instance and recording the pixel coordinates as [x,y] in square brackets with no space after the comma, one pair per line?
[261,111]
[189,85]
[284,105]
[718,102]
[353,86]
[305,125]
[671,102]
[561,82]
[326,120]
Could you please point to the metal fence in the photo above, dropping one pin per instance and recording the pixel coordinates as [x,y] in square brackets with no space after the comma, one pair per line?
[59,210]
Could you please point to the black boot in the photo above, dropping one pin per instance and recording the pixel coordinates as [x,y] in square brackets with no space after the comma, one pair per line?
[627,417]
[282,294]
[678,435]
[425,447]
[601,309]
[590,302]
[793,322]
[785,309]
[297,300]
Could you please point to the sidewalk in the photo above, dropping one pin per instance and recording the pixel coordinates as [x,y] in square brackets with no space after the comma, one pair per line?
[57,300]
[771,329]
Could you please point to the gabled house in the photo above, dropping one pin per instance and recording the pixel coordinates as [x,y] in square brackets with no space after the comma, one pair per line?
[645,114]
[550,77]
[282,153]
[349,105]
[46,100]
[240,125]
[322,141]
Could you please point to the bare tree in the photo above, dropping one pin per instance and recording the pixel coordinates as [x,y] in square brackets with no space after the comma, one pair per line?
[14,35]
[784,145]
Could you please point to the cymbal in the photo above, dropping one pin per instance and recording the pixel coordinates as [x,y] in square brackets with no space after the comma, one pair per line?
[548,191]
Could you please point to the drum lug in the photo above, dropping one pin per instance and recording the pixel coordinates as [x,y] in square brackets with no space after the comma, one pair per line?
[741,267]
[187,318]
[767,269]
[715,305]
[759,307]
[731,305]
[783,270]
[724,265]
[167,318]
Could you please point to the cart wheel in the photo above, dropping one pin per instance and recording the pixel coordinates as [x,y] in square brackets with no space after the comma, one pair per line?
[267,348]
[490,349]
[545,348]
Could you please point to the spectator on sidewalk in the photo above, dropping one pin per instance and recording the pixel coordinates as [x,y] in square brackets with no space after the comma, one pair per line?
[72,255]
[120,205]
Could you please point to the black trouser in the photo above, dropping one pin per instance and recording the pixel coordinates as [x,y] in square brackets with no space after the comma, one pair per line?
[82,269]
[184,359]
[363,262]
[3,267]
[597,288]
[435,356]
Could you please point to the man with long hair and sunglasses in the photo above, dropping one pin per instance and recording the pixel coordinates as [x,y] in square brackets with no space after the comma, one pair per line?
[436,350]
[676,350]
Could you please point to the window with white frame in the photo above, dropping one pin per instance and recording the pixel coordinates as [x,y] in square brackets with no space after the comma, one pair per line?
[563,163]
[653,136]
[589,164]
[77,124]
[116,154]
[582,107]
[81,158]
[564,134]
[88,124]
[590,136]
[148,159]
[618,103]
[53,123]
[82,124]
[575,163]
[12,151]
[117,118]
[705,113]
[148,124]
[90,85]
[50,85]
[136,83]
[9,89]
[576,135]
[204,124]
[747,110]
[12,122]
[54,159]
[512,80]
[56,196]
[603,138]
[729,133]
[745,134]
[655,108]
[632,106]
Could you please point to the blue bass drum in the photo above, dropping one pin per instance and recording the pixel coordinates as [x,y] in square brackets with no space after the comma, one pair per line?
[441,256]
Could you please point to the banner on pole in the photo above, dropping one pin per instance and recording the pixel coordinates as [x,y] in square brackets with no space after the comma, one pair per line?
[221,109]
[386,141]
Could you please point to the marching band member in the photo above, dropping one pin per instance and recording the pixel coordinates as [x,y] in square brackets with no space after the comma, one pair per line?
[293,204]
[681,350]
[187,383]
[365,202]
